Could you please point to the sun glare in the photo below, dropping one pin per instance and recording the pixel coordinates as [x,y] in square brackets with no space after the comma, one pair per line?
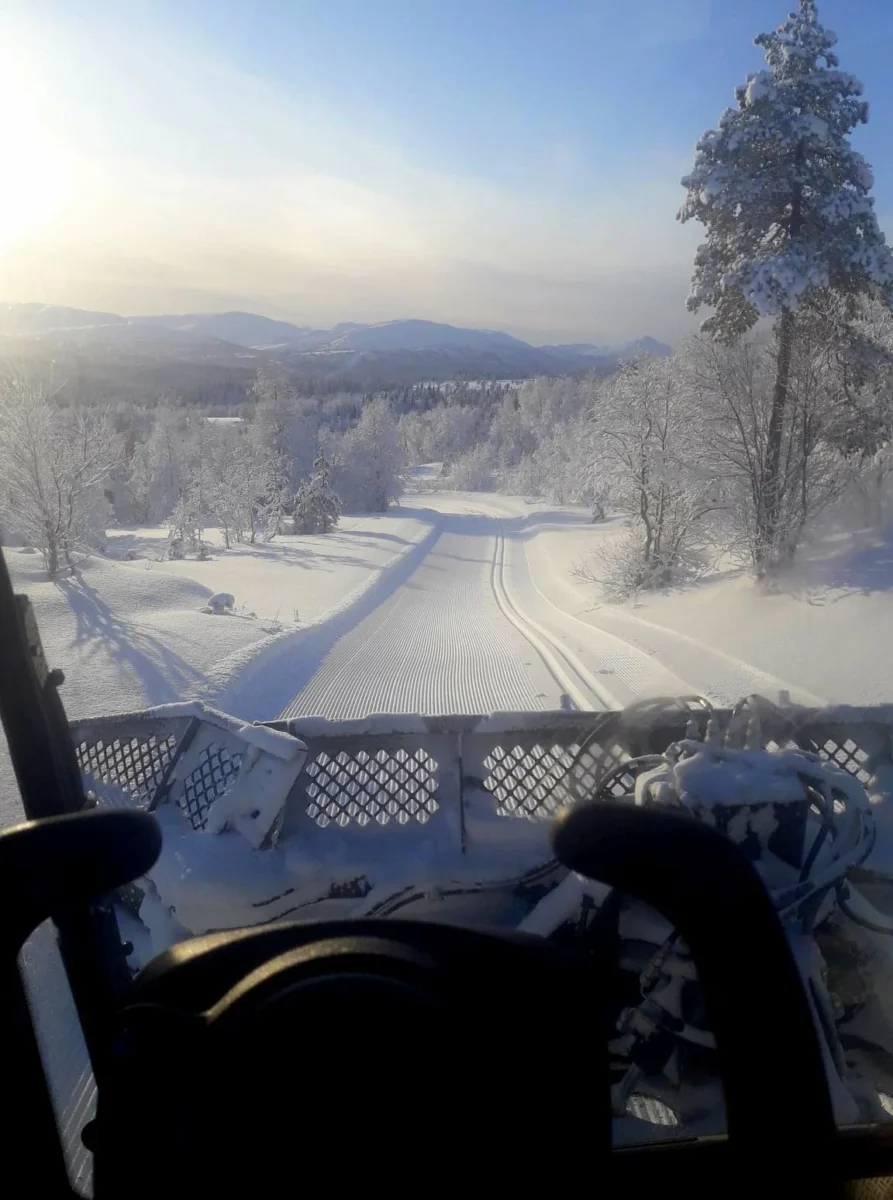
[37,166]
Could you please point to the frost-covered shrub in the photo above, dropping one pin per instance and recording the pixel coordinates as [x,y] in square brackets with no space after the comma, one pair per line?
[472,471]
[653,467]
[622,567]
[523,479]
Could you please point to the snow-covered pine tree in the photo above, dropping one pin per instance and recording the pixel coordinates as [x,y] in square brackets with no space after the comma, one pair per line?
[790,222]
[317,505]
[326,501]
[302,513]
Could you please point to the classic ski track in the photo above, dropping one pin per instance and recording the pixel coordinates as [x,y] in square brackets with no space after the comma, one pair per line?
[697,651]
[430,650]
[561,662]
[436,645]
[687,640]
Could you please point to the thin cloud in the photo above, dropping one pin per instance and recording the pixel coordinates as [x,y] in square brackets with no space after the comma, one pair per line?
[192,179]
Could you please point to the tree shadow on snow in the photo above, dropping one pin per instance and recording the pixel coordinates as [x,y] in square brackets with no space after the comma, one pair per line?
[163,673]
[375,535]
[120,543]
[831,565]
[868,570]
[297,556]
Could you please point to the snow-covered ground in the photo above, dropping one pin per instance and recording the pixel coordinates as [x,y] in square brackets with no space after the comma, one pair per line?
[449,602]
[823,633]
[129,633]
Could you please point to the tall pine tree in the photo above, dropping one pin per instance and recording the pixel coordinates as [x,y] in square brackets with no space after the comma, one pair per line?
[790,222]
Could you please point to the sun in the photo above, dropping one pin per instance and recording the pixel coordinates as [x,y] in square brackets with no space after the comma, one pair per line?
[35,180]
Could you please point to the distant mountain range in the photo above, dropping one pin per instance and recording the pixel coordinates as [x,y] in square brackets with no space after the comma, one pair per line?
[400,351]
[642,345]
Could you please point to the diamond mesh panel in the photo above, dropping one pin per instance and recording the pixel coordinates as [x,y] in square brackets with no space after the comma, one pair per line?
[528,781]
[133,765]
[593,765]
[535,781]
[356,786]
[848,755]
[216,770]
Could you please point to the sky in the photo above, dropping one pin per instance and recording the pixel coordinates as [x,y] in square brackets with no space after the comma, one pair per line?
[505,164]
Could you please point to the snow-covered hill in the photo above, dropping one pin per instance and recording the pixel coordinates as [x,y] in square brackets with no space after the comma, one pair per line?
[30,319]
[240,328]
[409,348]
[424,335]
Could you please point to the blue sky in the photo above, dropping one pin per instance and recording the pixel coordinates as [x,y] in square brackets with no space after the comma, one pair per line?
[504,163]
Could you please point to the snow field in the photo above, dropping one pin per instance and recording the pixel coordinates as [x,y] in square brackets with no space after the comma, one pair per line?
[466,602]
[129,634]
[822,635]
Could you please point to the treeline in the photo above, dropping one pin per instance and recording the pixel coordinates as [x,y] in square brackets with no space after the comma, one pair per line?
[289,464]
[685,446]
[681,446]
[191,378]
[278,461]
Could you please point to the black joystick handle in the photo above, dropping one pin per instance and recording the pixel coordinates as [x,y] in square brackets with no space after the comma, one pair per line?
[777,1099]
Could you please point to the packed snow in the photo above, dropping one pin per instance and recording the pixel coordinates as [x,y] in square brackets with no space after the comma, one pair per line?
[451,602]
[130,633]
[819,633]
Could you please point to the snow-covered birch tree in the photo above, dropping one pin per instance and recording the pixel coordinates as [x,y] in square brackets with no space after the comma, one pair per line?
[789,218]
[646,447]
[53,464]
[370,460]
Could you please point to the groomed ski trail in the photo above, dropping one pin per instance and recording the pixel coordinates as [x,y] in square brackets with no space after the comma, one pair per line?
[448,639]
[467,621]
[468,630]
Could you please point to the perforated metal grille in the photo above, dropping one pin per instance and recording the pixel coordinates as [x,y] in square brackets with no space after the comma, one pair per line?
[848,755]
[355,786]
[216,770]
[535,781]
[135,766]
[594,765]
[529,781]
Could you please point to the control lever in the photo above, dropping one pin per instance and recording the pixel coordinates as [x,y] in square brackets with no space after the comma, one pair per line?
[777,1099]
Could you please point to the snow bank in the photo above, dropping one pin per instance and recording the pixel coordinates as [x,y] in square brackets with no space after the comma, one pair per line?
[128,634]
[309,574]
